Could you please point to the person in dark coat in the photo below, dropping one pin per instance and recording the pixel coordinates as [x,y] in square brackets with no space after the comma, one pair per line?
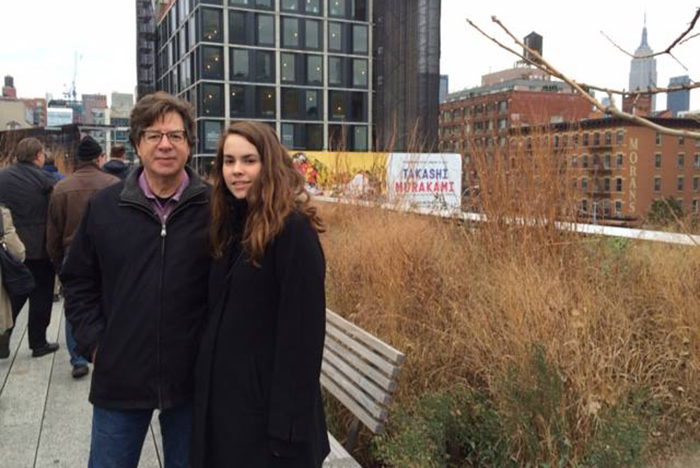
[116,165]
[68,201]
[25,189]
[135,280]
[257,395]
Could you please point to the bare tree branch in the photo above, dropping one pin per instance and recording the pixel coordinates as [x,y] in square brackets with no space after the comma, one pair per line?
[580,88]
[667,51]
[650,90]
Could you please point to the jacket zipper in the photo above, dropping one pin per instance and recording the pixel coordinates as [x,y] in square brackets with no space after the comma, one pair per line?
[163,235]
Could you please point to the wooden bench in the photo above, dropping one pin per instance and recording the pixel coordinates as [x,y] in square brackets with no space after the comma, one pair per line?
[360,371]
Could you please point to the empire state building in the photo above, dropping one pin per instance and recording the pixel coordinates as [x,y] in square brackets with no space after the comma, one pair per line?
[643,68]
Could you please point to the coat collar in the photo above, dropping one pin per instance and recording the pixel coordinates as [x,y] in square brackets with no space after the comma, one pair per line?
[132,192]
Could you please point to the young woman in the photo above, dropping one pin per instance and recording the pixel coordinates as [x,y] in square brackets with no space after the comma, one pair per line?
[258,400]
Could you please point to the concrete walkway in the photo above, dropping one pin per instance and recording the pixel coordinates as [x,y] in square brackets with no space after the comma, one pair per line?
[44,412]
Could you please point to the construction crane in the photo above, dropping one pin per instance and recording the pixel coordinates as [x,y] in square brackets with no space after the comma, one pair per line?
[71,93]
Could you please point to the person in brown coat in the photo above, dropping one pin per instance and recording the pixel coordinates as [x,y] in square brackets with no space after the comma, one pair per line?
[68,201]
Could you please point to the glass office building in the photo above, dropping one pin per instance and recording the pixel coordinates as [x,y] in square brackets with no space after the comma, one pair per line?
[302,66]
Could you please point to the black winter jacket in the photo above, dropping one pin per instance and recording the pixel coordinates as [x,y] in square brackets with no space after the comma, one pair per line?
[258,398]
[25,189]
[116,168]
[137,290]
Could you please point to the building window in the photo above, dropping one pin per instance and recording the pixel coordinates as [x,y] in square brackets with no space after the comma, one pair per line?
[265,30]
[314,137]
[337,8]
[288,65]
[584,184]
[584,161]
[335,36]
[584,206]
[606,184]
[337,104]
[237,101]
[240,64]
[290,5]
[358,105]
[360,138]
[696,183]
[359,73]
[212,63]
[312,105]
[290,103]
[335,71]
[312,35]
[657,184]
[359,10]
[658,139]
[695,207]
[679,184]
[212,30]
[290,32]
[681,160]
[237,27]
[212,100]
[209,135]
[681,140]
[697,161]
[618,208]
[574,139]
[608,138]
[314,70]
[264,66]
[606,161]
[657,160]
[359,39]
[596,139]
[574,161]
[619,137]
[265,102]
[288,135]
[584,141]
[618,184]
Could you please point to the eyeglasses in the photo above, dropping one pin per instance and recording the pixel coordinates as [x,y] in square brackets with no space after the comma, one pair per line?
[154,137]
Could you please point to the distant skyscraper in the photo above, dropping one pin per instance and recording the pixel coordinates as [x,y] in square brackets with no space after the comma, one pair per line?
[643,68]
[678,101]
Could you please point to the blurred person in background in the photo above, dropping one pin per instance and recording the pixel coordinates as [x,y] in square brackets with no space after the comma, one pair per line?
[68,201]
[10,239]
[25,189]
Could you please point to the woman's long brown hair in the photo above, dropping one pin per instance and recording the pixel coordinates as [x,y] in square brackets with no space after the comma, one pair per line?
[277,191]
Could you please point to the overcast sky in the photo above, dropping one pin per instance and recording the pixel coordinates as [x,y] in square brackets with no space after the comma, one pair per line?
[39,40]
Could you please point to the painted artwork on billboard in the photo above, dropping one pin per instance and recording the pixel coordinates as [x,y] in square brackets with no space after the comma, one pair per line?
[423,180]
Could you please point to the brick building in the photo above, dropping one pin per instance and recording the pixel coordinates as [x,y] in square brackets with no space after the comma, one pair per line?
[483,116]
[618,168]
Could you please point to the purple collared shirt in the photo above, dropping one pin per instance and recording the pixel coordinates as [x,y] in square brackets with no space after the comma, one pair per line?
[163,211]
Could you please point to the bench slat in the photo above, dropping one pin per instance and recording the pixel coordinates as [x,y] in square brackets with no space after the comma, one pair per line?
[363,384]
[387,383]
[353,391]
[367,354]
[392,354]
[361,414]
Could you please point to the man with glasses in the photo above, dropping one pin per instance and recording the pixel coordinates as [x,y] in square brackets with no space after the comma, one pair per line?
[135,282]
[25,189]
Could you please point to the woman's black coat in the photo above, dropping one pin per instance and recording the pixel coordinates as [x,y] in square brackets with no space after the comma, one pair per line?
[257,398]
